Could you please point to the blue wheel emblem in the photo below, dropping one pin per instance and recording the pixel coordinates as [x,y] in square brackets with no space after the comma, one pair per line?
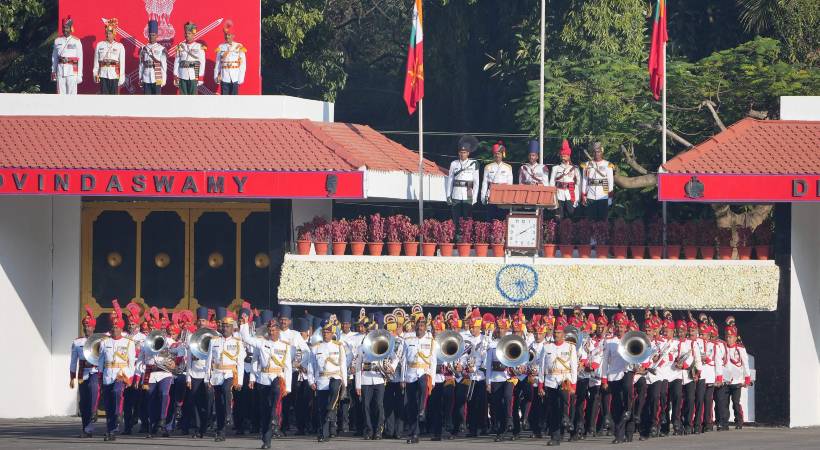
[517,282]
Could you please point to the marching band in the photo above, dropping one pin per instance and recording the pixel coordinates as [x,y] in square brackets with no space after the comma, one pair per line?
[564,377]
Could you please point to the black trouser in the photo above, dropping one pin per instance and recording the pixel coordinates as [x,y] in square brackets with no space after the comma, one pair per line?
[477,407]
[593,408]
[112,394]
[460,405]
[522,398]
[708,406]
[700,400]
[638,401]
[328,401]
[502,401]
[582,403]
[677,402]
[245,409]
[597,210]
[656,399]
[223,397]
[394,408]
[373,401]
[287,410]
[269,400]
[304,406]
[188,87]
[538,414]
[558,407]
[619,390]
[229,88]
[731,391]
[436,417]
[179,391]
[416,404]
[350,411]
[566,209]
[131,407]
[109,86]
[459,209]
[90,400]
[197,406]
[151,89]
[690,395]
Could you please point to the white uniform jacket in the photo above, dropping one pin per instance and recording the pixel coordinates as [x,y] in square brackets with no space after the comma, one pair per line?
[533,174]
[117,359]
[67,58]
[598,180]
[153,64]
[230,63]
[419,358]
[567,181]
[78,361]
[272,359]
[109,61]
[226,360]
[736,368]
[559,362]
[495,173]
[462,180]
[190,61]
[327,361]
[613,366]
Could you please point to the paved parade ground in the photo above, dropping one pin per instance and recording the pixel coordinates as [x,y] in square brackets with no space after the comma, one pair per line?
[60,433]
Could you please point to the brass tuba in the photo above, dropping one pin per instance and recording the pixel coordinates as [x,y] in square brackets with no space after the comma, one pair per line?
[91,348]
[512,351]
[200,342]
[449,346]
[156,341]
[378,344]
[635,347]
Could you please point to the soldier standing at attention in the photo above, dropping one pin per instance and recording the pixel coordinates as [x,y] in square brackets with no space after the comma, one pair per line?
[67,60]
[462,181]
[597,184]
[229,70]
[496,172]
[533,172]
[109,61]
[153,63]
[566,178]
[189,65]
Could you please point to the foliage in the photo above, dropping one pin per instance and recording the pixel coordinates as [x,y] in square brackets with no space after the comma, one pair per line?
[620,232]
[26,35]
[358,229]
[304,232]
[409,231]
[724,237]
[637,233]
[550,231]
[465,228]
[339,230]
[498,231]
[375,228]
[482,232]
[394,225]
[428,230]
[793,22]
[321,231]
[445,231]
[565,236]
[654,232]
[582,232]
[744,236]
[600,232]
[674,233]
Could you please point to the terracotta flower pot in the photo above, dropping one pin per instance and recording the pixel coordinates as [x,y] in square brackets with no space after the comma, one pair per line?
[707,252]
[357,248]
[690,252]
[566,250]
[744,253]
[724,252]
[549,250]
[498,250]
[762,251]
[412,248]
[655,251]
[673,251]
[394,248]
[602,251]
[375,248]
[637,251]
[302,247]
[481,249]
[584,250]
[619,251]
[321,247]
[464,248]
[428,249]
[339,248]
[446,249]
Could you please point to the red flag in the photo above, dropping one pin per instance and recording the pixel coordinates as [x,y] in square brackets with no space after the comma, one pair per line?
[657,62]
[414,80]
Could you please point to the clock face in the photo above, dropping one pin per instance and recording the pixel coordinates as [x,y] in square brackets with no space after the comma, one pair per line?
[522,232]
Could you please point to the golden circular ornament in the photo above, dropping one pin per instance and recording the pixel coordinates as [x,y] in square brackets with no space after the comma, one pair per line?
[162,260]
[262,260]
[215,260]
[114,259]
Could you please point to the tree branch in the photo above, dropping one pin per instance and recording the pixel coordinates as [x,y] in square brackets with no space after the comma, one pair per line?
[675,137]
[629,157]
[726,218]
[639,182]
[710,105]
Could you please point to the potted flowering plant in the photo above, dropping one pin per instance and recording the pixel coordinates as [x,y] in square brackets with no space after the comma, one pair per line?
[358,235]
[465,240]
[724,239]
[654,238]
[565,238]
[674,239]
[550,238]
[744,241]
[762,238]
[707,237]
[582,234]
[393,225]
[339,234]
[410,238]
[600,232]
[481,237]
[304,236]
[321,235]
[690,239]
[375,234]
[498,233]
[620,238]
[428,230]
[637,239]
[445,231]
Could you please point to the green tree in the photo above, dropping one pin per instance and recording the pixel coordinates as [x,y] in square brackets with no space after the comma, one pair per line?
[25,44]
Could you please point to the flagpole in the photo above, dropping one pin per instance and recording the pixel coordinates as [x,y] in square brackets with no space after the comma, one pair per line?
[421,167]
[663,140]
[541,85]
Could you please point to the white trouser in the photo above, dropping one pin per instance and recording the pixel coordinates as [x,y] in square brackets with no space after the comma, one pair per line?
[67,85]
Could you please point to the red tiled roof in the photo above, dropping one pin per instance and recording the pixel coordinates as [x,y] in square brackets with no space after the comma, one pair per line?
[522,195]
[270,145]
[752,146]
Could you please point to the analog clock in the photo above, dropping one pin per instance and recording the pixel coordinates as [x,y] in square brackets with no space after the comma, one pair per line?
[522,231]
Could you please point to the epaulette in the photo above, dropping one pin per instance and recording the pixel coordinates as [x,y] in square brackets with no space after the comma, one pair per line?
[611,166]
[242,48]
[503,163]
[583,165]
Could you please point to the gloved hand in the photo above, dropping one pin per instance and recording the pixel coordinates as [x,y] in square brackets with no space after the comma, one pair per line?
[450,201]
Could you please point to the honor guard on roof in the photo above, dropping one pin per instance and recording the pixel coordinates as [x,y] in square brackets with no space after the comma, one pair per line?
[496,172]
[85,374]
[109,61]
[532,172]
[597,184]
[117,360]
[462,181]
[567,181]
[327,372]
[229,70]
[225,369]
[67,60]
[189,65]
[153,63]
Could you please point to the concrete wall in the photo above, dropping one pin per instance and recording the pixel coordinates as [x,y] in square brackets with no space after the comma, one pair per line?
[236,107]
[304,210]
[40,298]
[804,333]
[800,108]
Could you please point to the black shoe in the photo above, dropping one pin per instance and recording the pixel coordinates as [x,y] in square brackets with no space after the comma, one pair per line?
[498,438]
[94,417]
[538,436]
[451,436]
[436,438]
[573,437]
[472,434]
[149,436]
[165,433]
[367,437]
[85,435]
[617,441]
[377,437]
[265,445]
[127,432]
[642,437]
[552,443]
[514,437]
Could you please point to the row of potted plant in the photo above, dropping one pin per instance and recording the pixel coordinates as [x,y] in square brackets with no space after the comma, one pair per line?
[621,238]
